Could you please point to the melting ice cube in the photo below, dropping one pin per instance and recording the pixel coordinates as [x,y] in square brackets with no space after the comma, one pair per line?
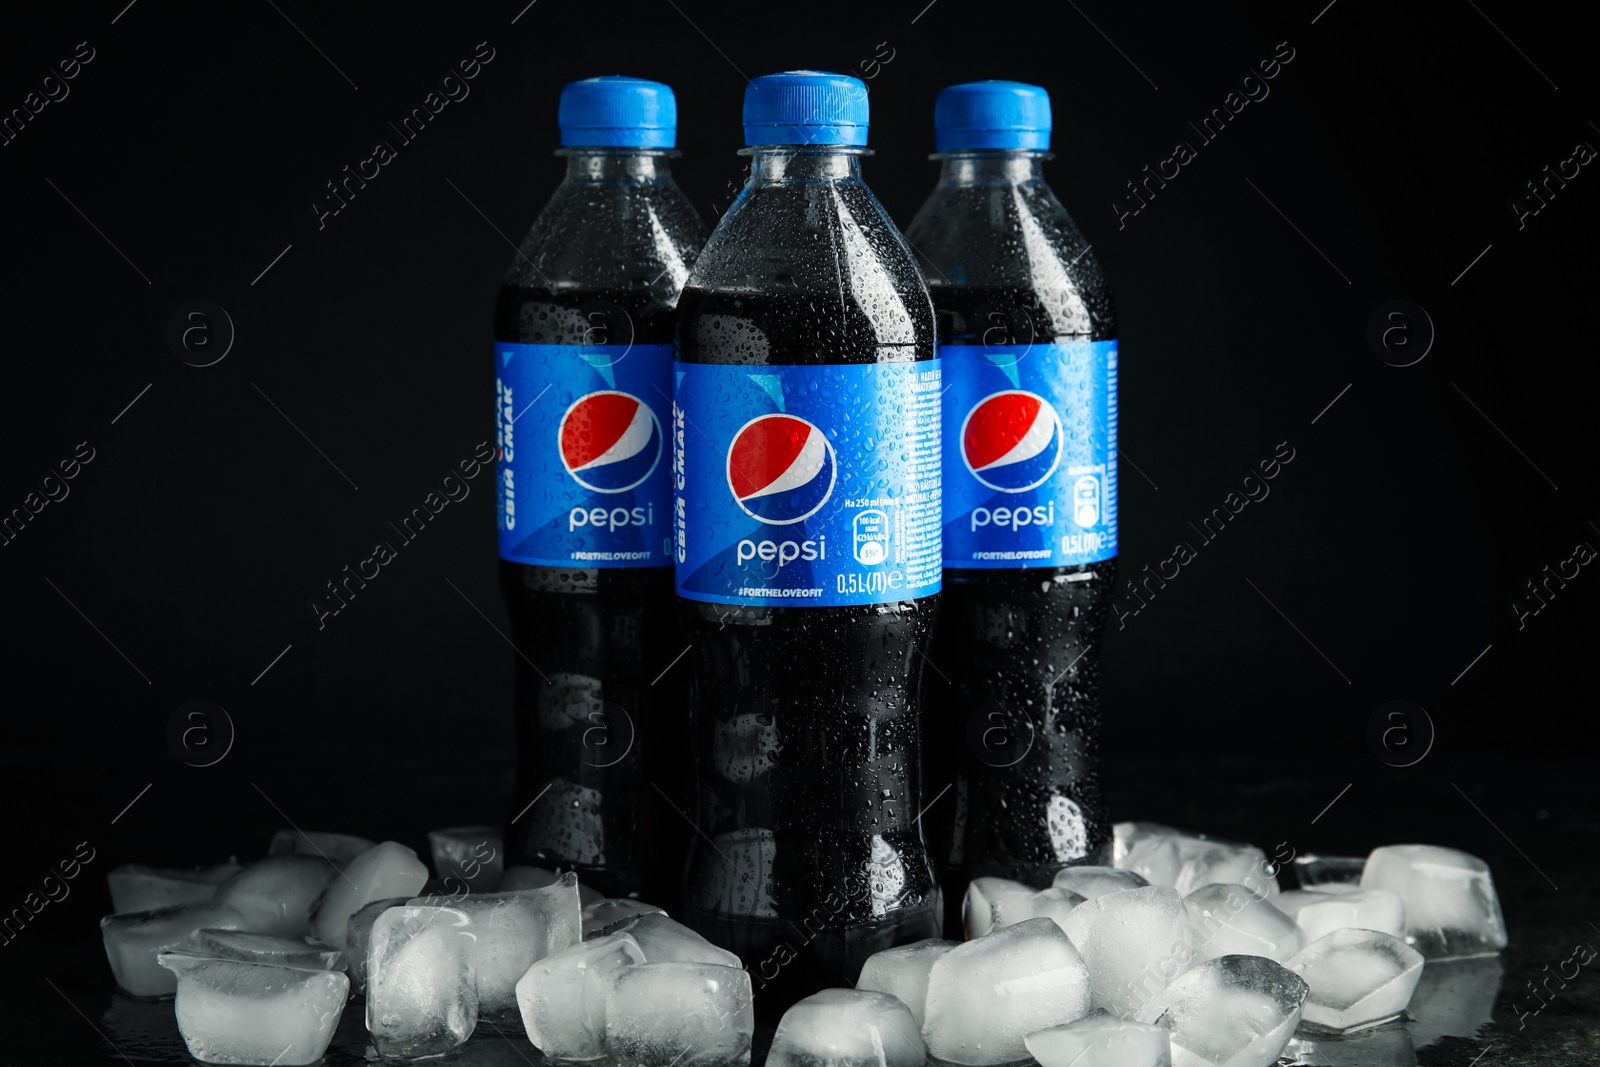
[995,903]
[1452,910]
[1092,882]
[1134,942]
[1230,920]
[231,1011]
[663,940]
[609,913]
[134,940]
[265,949]
[276,894]
[987,995]
[422,995]
[562,997]
[1336,906]
[358,938]
[135,888]
[511,932]
[386,870]
[1357,978]
[1054,903]
[847,1028]
[903,972]
[1233,1011]
[1185,862]
[1312,871]
[683,1014]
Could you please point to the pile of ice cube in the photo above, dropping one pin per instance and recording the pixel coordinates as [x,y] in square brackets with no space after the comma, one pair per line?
[1184,953]
[261,959]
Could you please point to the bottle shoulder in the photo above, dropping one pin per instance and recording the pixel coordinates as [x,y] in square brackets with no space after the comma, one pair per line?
[1016,243]
[805,272]
[603,263]
[607,235]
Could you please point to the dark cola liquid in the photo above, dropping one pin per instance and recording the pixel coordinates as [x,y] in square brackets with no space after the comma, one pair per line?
[623,772]
[1014,706]
[807,724]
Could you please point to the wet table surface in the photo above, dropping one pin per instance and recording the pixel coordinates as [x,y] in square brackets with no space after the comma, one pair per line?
[1535,825]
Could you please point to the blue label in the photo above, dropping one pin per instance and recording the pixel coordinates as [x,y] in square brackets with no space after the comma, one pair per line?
[1030,461]
[584,478]
[806,486]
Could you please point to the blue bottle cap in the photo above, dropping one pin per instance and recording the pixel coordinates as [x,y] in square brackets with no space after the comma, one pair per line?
[805,107]
[992,114]
[618,111]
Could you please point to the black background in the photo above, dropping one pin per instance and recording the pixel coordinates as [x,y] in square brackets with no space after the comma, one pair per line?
[1384,161]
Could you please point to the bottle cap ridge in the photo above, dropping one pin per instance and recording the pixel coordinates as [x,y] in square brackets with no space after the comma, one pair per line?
[806,107]
[992,114]
[618,111]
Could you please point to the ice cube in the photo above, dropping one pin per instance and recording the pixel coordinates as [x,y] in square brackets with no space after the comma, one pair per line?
[562,998]
[1185,862]
[903,972]
[1337,906]
[995,903]
[1313,871]
[987,995]
[386,870]
[512,931]
[1452,910]
[1102,1041]
[422,996]
[1230,920]
[663,940]
[135,939]
[1091,882]
[1134,941]
[264,949]
[609,913]
[135,888]
[1358,978]
[1233,1011]
[1054,903]
[337,849]
[276,894]
[358,937]
[230,1011]
[1149,849]
[683,1014]
[847,1028]
[1455,998]
[470,856]
[524,878]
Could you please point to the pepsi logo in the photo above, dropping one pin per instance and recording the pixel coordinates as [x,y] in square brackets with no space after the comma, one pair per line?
[1012,441]
[609,441]
[781,469]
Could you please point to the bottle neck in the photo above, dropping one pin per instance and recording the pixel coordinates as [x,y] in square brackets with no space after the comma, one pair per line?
[799,163]
[992,166]
[618,164]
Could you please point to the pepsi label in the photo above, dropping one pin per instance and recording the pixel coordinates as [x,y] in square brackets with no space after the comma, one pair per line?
[806,486]
[583,479]
[1031,455]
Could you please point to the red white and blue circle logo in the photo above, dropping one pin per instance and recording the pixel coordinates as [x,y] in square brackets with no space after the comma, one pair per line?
[1012,441]
[781,469]
[609,441]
